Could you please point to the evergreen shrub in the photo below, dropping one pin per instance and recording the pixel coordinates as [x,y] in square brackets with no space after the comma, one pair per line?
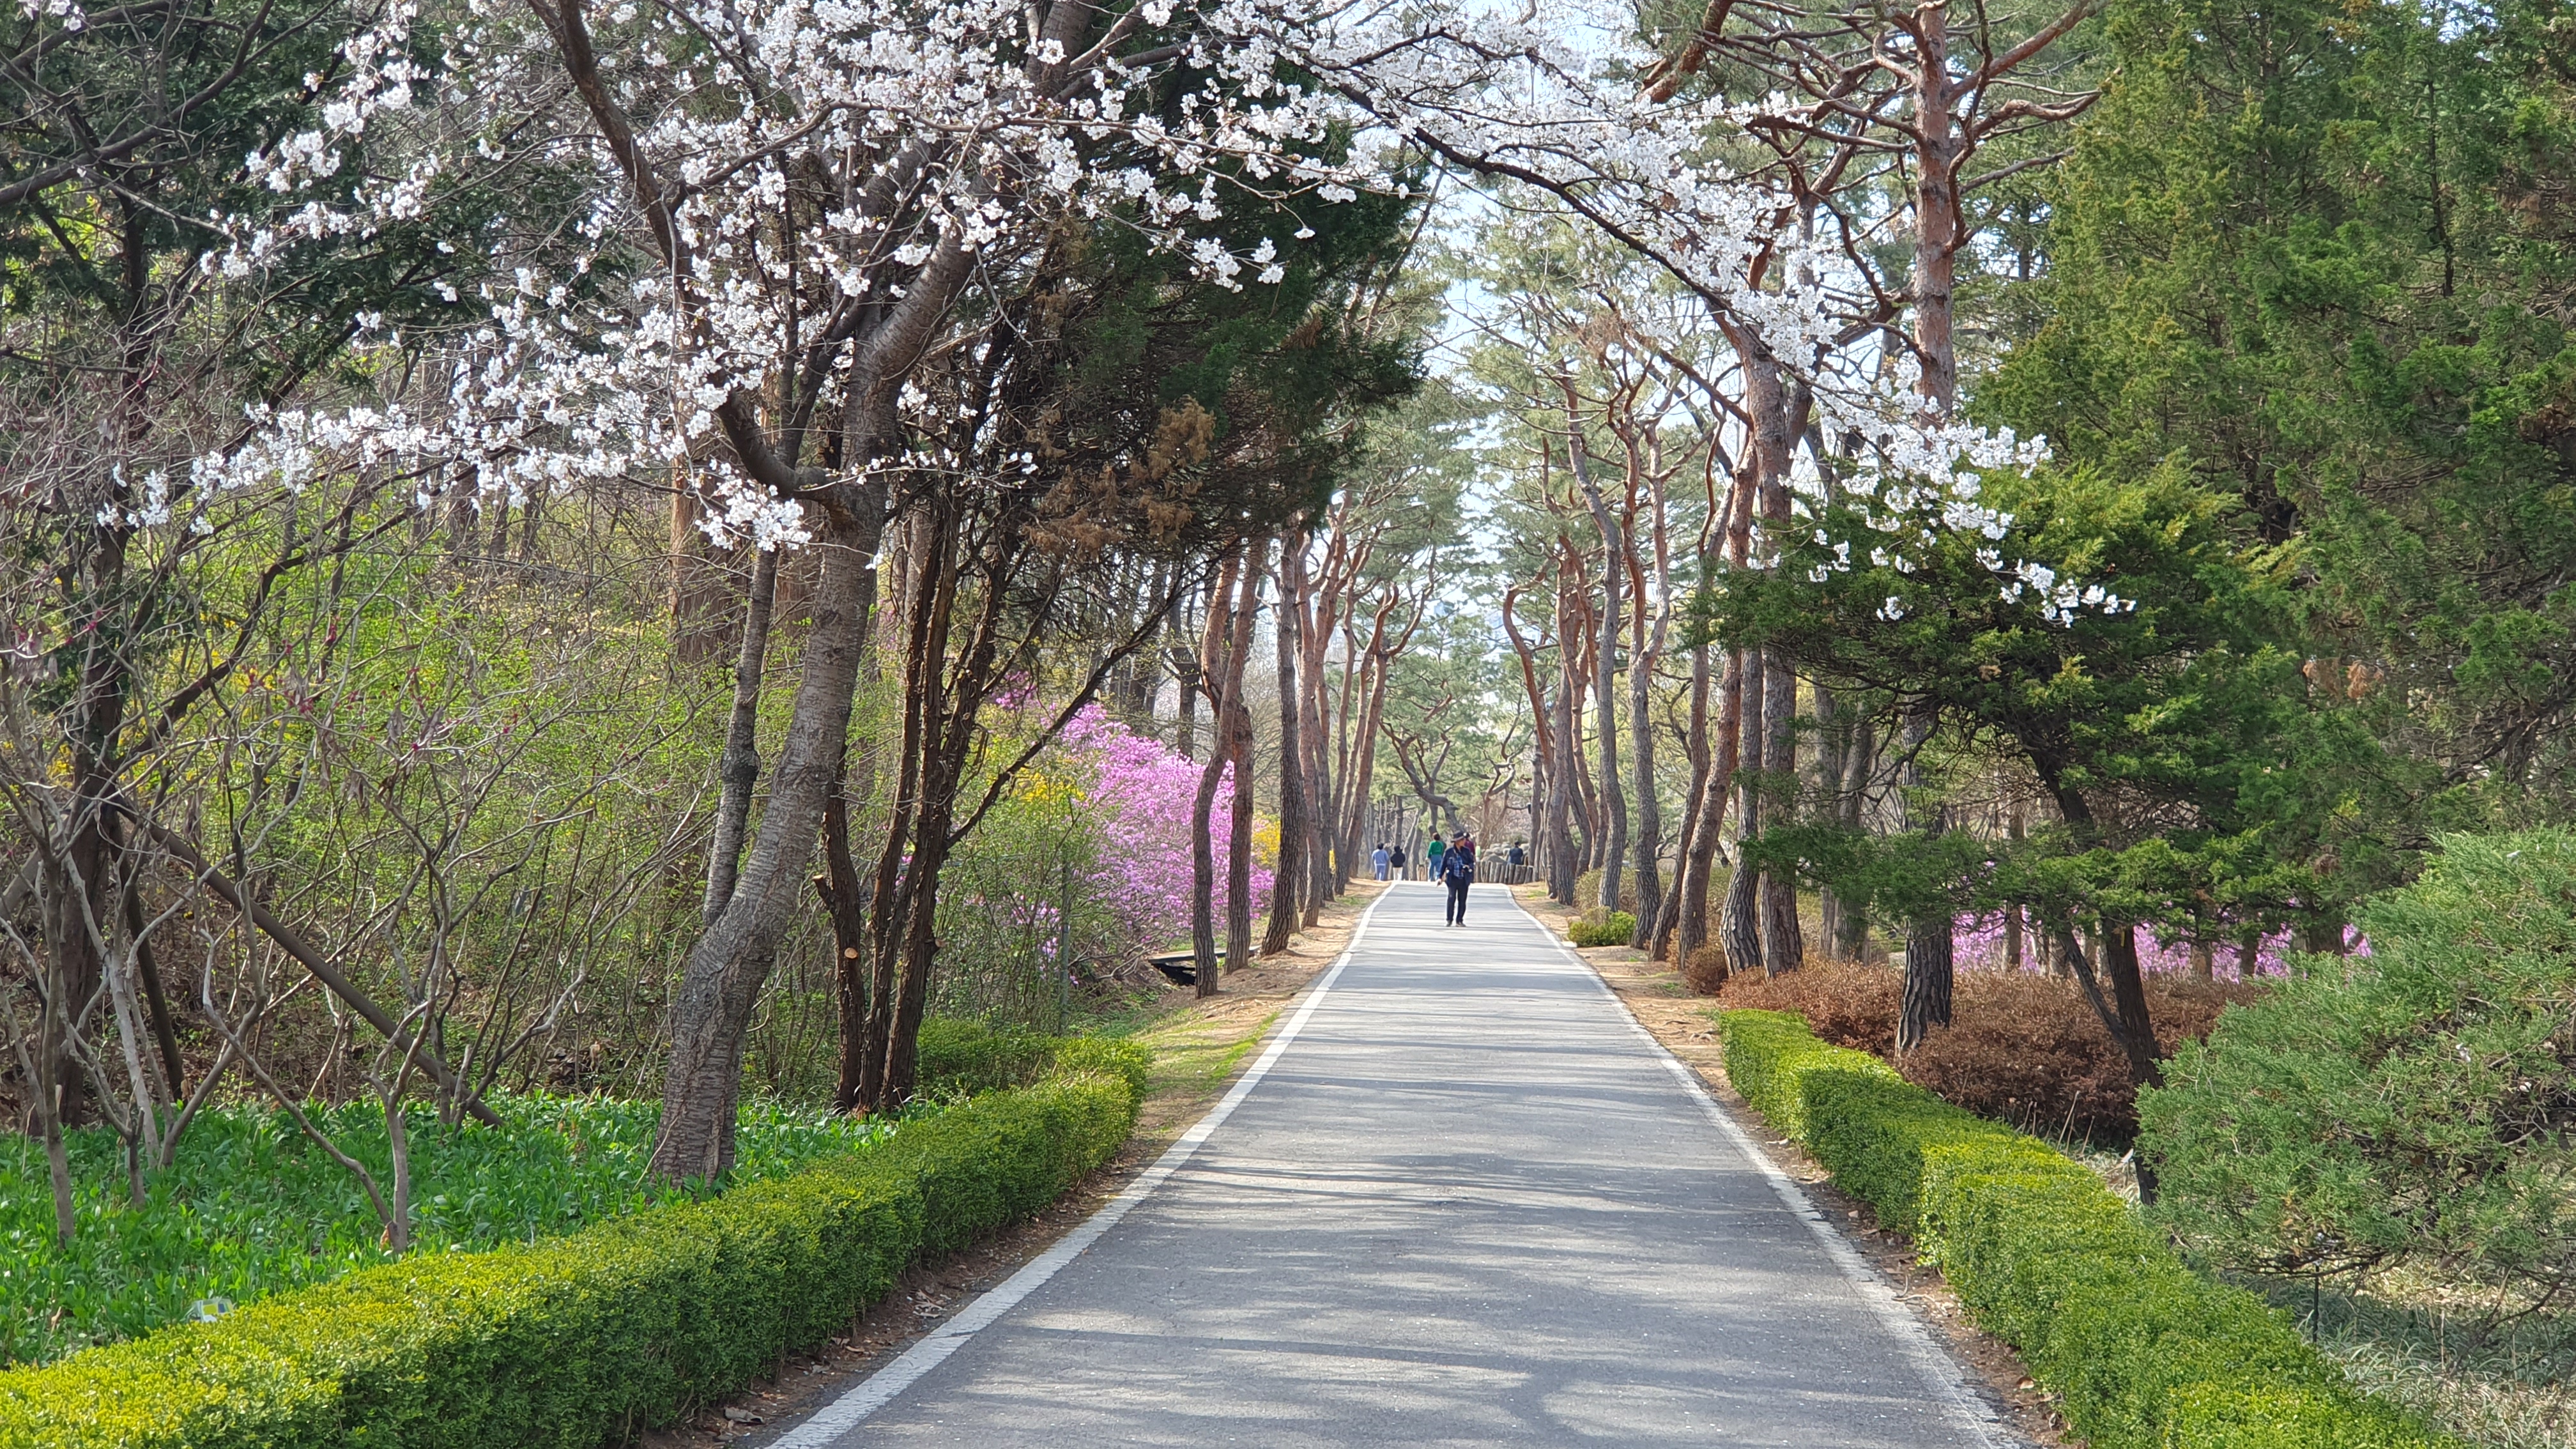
[583,1340]
[2142,1352]
[1602,928]
[2415,1104]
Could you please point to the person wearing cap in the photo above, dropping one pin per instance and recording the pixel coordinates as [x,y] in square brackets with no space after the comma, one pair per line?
[1457,870]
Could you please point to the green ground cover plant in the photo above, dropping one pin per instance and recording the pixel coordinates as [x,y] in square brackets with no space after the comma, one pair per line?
[1600,928]
[252,1207]
[2141,1352]
[585,1338]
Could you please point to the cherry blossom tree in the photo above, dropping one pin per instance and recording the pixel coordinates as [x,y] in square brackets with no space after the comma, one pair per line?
[805,274]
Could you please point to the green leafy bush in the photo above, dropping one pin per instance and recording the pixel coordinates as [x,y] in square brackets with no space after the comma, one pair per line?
[2142,1352]
[961,1058]
[253,1207]
[2415,1103]
[582,1339]
[1600,928]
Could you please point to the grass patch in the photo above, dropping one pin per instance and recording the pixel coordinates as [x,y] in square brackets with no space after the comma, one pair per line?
[1193,1056]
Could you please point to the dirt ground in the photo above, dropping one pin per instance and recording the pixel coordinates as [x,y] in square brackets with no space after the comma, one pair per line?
[1687,1026]
[1199,1047]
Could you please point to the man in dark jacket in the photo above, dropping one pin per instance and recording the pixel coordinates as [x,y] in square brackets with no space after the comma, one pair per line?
[1458,871]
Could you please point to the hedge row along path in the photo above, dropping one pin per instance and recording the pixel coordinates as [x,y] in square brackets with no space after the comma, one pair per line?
[1469,1202]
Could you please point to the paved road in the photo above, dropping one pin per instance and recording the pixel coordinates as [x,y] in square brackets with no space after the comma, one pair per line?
[1469,1204]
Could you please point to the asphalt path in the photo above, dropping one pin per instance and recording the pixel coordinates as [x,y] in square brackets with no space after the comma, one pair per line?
[1468,1202]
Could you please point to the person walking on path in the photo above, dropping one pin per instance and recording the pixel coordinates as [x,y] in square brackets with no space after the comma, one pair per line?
[1380,859]
[1395,858]
[1431,854]
[1457,870]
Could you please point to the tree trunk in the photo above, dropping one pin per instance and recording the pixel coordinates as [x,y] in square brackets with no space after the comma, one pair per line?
[721,982]
[1833,746]
[1216,639]
[1740,926]
[1288,881]
[1784,946]
[2013,947]
[1238,836]
[840,890]
[1614,568]
[1928,948]
[1647,648]
[1325,868]
[1859,762]
[1936,209]
[1561,860]
[1692,931]
[1694,809]
[739,766]
[1185,669]
[1928,976]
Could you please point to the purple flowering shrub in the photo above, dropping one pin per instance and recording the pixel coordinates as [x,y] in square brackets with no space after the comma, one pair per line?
[1103,821]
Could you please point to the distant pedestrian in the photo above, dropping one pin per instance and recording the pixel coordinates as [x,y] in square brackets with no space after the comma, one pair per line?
[1457,870]
[1395,858]
[1431,854]
[1380,858]
[1518,856]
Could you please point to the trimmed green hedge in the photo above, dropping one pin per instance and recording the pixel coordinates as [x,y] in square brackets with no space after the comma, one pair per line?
[961,1057]
[579,1341]
[2142,1352]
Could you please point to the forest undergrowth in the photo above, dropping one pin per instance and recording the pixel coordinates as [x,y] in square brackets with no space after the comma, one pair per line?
[2023,1048]
[2487,1367]
[252,1206]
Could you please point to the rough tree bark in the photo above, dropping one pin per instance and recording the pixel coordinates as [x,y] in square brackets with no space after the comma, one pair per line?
[1860,763]
[1776,410]
[1561,856]
[1928,955]
[1214,645]
[1614,566]
[711,1014]
[1646,646]
[739,766]
[1289,881]
[1700,868]
[1740,922]
[1783,941]
[1694,808]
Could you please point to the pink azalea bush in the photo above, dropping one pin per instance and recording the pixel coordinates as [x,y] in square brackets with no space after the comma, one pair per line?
[1137,793]
[1977,943]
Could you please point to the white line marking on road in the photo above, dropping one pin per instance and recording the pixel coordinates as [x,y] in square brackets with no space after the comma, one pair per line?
[1940,1373]
[878,1389]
